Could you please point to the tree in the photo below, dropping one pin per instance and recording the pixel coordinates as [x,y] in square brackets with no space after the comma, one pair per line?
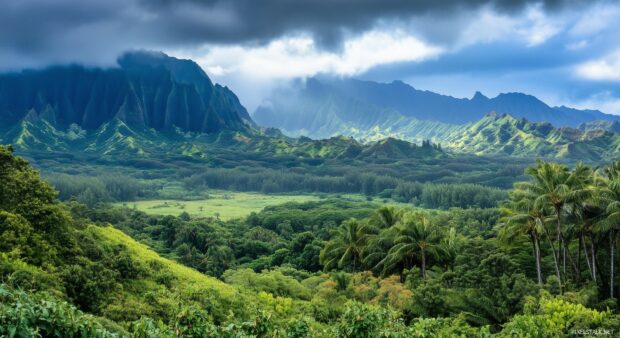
[417,237]
[346,245]
[521,217]
[386,217]
[610,194]
[553,185]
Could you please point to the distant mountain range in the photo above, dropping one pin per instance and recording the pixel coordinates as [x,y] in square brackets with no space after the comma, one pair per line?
[322,107]
[154,106]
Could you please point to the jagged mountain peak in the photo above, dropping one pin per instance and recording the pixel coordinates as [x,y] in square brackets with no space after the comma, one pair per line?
[183,70]
[147,90]
[404,100]
[478,96]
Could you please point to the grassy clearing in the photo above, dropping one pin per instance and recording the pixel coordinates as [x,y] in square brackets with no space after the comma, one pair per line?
[225,204]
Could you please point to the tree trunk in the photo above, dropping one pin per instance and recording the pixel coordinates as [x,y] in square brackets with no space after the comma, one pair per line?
[585,250]
[559,236]
[593,257]
[423,263]
[563,259]
[537,258]
[579,257]
[570,257]
[555,260]
[611,251]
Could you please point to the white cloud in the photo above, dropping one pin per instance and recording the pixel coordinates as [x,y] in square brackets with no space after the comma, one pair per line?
[532,28]
[604,69]
[538,27]
[300,56]
[596,19]
[253,71]
[604,101]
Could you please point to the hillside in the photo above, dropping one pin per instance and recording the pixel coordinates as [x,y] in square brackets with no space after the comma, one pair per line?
[321,107]
[147,90]
[51,248]
[613,126]
[507,135]
[117,140]
[320,110]
[286,271]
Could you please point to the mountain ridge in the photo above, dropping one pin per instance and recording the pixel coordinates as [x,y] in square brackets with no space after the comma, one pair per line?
[147,89]
[503,134]
[309,108]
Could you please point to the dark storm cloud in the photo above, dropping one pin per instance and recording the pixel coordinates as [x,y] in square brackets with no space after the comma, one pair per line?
[327,20]
[36,32]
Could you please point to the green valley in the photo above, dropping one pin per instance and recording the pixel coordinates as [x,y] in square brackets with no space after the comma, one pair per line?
[142,200]
[332,267]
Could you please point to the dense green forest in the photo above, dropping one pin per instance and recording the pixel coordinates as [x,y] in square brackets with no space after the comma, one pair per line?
[540,263]
[438,180]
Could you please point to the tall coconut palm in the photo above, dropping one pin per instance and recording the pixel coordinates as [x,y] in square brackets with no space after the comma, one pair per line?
[554,186]
[589,215]
[417,238]
[610,195]
[377,249]
[586,213]
[520,217]
[386,217]
[450,246]
[346,246]
[581,207]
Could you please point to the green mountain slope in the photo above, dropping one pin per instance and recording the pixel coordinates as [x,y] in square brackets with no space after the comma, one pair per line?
[116,139]
[506,135]
[321,111]
[57,255]
[613,126]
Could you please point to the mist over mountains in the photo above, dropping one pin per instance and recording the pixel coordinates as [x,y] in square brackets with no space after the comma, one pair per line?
[152,104]
[321,107]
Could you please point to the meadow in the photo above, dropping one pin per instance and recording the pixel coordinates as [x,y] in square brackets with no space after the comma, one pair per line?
[224,205]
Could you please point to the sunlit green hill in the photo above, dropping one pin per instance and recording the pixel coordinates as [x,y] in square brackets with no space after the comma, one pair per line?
[506,135]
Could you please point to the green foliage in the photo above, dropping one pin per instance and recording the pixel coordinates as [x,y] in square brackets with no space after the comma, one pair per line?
[552,317]
[504,134]
[274,282]
[391,272]
[27,315]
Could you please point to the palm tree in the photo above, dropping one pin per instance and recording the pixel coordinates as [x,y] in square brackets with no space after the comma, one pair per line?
[520,217]
[417,237]
[346,245]
[379,244]
[586,214]
[554,186]
[590,214]
[377,248]
[450,246]
[386,217]
[610,194]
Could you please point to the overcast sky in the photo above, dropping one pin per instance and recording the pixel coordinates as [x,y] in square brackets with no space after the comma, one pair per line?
[563,51]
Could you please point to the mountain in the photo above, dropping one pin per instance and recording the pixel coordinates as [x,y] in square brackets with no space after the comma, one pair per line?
[502,134]
[319,110]
[155,107]
[322,107]
[146,90]
[613,126]
[117,140]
